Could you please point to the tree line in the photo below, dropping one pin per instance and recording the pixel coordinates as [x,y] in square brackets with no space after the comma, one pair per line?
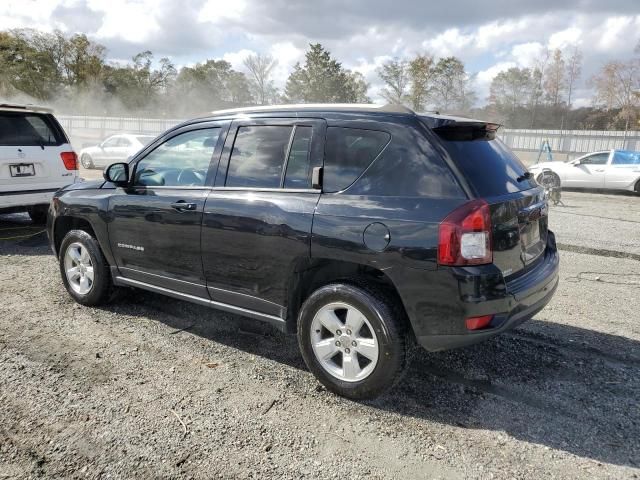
[72,73]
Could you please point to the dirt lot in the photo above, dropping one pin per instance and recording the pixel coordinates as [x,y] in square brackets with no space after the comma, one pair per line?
[153,387]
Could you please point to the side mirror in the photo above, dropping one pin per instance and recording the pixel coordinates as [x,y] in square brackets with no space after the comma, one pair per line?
[117,173]
[577,163]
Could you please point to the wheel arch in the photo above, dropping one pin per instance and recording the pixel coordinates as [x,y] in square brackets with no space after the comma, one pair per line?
[65,224]
[310,274]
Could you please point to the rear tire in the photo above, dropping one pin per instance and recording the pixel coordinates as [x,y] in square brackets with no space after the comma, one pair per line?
[38,214]
[85,272]
[358,364]
[86,161]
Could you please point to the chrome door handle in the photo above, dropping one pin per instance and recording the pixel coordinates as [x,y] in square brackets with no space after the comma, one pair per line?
[181,206]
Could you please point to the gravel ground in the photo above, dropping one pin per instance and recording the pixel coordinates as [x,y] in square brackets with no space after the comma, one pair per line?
[153,387]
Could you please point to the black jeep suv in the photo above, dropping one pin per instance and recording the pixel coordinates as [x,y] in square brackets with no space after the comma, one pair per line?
[360,228]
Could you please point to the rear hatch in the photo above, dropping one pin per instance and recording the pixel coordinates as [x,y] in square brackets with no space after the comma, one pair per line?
[30,148]
[518,208]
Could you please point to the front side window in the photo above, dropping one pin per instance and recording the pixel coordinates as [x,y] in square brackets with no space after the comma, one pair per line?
[124,142]
[258,156]
[624,157]
[597,159]
[181,161]
[111,142]
[20,129]
[348,152]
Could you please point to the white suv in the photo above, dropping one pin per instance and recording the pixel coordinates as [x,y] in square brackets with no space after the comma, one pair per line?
[36,159]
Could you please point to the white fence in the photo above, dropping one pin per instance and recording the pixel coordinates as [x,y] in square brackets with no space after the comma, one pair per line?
[567,141]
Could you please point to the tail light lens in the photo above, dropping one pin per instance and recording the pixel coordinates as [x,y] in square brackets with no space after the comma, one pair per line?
[478,323]
[465,236]
[70,160]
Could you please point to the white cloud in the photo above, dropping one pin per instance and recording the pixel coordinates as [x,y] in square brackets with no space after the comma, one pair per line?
[565,38]
[450,42]
[215,11]
[236,59]
[483,78]
[526,54]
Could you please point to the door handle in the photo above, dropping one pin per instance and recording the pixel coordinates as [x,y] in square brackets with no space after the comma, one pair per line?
[181,206]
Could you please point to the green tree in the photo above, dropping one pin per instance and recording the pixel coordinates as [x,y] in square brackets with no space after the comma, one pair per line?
[395,75]
[510,93]
[421,74]
[451,85]
[321,79]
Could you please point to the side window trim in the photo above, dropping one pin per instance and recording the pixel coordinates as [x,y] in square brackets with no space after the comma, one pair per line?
[287,154]
[213,161]
[315,156]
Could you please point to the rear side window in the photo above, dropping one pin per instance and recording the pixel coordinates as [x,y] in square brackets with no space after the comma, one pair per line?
[258,155]
[623,157]
[487,164]
[298,173]
[25,129]
[348,152]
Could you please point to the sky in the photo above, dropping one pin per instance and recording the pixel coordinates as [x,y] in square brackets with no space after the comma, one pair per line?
[362,34]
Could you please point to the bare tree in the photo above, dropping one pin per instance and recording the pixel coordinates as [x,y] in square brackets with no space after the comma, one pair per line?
[617,86]
[395,76]
[260,68]
[555,78]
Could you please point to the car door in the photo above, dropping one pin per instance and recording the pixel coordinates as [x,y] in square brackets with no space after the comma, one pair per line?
[257,219]
[588,172]
[154,224]
[624,170]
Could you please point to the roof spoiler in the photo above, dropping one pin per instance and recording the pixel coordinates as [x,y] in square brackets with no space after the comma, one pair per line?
[16,107]
[461,129]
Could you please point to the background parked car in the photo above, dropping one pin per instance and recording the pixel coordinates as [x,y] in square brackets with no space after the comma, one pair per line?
[36,159]
[610,169]
[117,148]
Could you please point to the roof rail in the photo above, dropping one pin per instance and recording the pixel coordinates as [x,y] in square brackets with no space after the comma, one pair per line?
[25,107]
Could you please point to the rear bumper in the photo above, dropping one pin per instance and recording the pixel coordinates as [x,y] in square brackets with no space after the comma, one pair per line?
[11,200]
[520,301]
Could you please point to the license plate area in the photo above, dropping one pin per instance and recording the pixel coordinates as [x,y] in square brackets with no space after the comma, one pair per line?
[22,170]
[531,241]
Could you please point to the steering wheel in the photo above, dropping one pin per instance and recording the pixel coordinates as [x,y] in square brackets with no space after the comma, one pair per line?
[189,177]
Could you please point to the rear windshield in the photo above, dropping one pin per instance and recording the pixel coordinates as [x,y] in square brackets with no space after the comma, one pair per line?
[28,129]
[488,165]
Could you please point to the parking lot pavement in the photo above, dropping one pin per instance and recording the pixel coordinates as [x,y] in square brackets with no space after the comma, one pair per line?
[598,223]
[152,387]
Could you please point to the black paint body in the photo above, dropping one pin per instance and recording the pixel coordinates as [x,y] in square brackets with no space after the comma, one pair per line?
[257,252]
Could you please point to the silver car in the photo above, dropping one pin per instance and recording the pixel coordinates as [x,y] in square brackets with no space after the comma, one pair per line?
[609,169]
[117,148]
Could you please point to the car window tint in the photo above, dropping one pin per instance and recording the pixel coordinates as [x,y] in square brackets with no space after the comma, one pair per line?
[19,129]
[623,157]
[348,152]
[596,159]
[181,161]
[258,156]
[298,174]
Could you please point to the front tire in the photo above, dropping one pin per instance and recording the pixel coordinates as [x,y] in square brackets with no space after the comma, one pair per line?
[353,339]
[85,271]
[86,161]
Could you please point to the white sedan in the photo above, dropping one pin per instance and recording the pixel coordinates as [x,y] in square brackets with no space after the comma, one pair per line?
[610,169]
[117,148]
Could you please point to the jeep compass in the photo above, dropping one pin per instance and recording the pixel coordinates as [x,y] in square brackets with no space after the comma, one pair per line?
[361,229]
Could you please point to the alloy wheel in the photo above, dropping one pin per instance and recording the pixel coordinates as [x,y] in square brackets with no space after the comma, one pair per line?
[78,268]
[344,342]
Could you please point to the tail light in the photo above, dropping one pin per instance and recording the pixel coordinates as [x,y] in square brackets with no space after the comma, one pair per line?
[70,160]
[464,237]
[478,323]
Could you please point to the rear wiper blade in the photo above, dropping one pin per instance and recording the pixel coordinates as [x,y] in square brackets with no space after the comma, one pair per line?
[524,176]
